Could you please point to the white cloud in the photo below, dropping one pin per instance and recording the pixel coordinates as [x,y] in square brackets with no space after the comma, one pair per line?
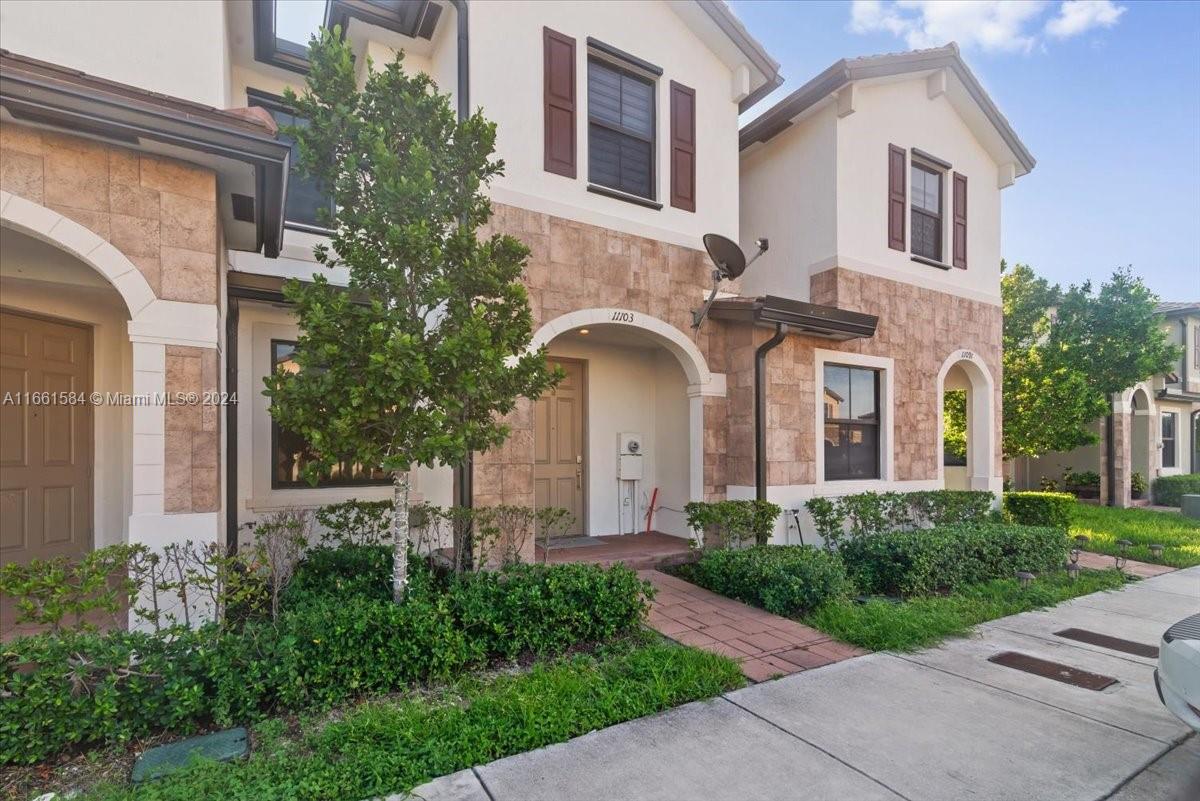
[990,25]
[1079,16]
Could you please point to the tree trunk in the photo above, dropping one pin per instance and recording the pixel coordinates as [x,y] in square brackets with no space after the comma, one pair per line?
[400,487]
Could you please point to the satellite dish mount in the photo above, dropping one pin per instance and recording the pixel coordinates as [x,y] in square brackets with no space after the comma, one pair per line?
[730,263]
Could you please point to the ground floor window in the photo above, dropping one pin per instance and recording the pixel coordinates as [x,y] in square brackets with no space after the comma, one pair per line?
[290,453]
[851,400]
[1168,439]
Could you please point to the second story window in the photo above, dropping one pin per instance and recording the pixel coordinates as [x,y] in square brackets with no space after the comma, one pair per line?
[620,129]
[926,206]
[304,195]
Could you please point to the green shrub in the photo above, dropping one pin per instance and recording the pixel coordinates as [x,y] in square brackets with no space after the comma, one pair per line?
[545,609]
[335,639]
[734,522]
[942,559]
[58,591]
[868,513]
[356,522]
[1169,490]
[1137,485]
[784,579]
[1055,509]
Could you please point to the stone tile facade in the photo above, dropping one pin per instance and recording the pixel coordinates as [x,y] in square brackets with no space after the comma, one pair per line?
[192,480]
[575,266]
[918,328]
[162,215]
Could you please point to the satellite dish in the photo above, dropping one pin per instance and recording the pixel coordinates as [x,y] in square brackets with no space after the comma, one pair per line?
[730,263]
[726,254]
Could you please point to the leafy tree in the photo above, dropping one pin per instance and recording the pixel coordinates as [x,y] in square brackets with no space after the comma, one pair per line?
[954,423]
[1067,352]
[415,362]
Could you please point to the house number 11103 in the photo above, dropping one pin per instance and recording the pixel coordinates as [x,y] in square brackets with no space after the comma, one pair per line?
[622,317]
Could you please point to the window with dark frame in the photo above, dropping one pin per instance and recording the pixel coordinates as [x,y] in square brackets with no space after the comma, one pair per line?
[851,402]
[290,452]
[621,129]
[305,198]
[1169,420]
[926,205]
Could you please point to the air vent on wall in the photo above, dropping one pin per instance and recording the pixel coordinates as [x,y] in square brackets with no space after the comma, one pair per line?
[243,207]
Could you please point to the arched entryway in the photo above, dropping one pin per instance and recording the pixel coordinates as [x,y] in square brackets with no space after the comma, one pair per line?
[629,375]
[1143,445]
[963,372]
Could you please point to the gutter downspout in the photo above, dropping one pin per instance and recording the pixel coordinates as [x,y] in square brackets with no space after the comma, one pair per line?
[464,474]
[1110,454]
[231,446]
[760,410]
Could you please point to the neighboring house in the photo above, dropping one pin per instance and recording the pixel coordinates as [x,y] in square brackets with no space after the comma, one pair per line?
[149,220]
[1154,429]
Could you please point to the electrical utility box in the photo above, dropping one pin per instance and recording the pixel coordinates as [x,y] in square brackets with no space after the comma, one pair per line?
[629,456]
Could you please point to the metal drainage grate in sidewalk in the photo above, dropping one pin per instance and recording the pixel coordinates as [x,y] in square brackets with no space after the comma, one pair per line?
[1053,670]
[1110,642]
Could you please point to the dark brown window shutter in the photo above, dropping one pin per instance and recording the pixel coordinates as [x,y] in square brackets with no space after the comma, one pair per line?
[960,221]
[897,196]
[558,68]
[683,147]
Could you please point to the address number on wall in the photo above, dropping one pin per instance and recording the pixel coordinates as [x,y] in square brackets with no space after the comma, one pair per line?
[622,317]
[966,354]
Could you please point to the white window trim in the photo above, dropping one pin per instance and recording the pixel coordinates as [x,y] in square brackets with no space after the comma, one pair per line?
[1163,468]
[887,472]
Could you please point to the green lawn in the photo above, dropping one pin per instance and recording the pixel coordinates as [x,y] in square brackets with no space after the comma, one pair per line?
[1106,524]
[389,746]
[882,625]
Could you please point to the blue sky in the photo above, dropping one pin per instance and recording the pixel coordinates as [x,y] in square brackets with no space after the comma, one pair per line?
[1106,95]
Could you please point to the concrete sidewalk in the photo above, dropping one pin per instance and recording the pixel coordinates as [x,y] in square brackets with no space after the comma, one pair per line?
[943,724]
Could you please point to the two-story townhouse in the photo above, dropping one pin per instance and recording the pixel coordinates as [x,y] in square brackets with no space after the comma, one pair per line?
[878,183]
[150,216]
[1154,428]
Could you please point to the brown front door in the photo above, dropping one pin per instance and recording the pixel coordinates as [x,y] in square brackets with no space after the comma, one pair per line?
[559,469]
[45,441]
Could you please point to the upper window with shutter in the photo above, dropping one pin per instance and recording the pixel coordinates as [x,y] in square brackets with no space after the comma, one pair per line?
[621,129]
[926,205]
[959,205]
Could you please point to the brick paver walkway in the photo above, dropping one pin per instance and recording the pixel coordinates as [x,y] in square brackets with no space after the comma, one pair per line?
[1101,561]
[765,645]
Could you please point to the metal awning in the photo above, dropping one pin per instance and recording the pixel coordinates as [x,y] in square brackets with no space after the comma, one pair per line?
[810,319]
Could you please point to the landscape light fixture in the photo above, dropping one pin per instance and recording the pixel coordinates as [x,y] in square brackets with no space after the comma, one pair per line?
[1025,578]
[1123,553]
[1073,571]
[730,263]
[1156,550]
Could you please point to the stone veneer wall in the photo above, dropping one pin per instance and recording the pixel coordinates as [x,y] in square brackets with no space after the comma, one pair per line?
[575,266]
[918,328]
[162,215]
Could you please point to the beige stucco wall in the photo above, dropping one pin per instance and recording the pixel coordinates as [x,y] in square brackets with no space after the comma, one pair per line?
[178,49]
[818,191]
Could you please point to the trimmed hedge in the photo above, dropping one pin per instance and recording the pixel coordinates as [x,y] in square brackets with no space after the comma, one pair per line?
[783,579]
[922,562]
[331,643]
[1169,490]
[1055,509]
[867,513]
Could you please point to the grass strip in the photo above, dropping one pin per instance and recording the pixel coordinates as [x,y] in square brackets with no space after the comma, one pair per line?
[1179,535]
[882,625]
[390,746]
